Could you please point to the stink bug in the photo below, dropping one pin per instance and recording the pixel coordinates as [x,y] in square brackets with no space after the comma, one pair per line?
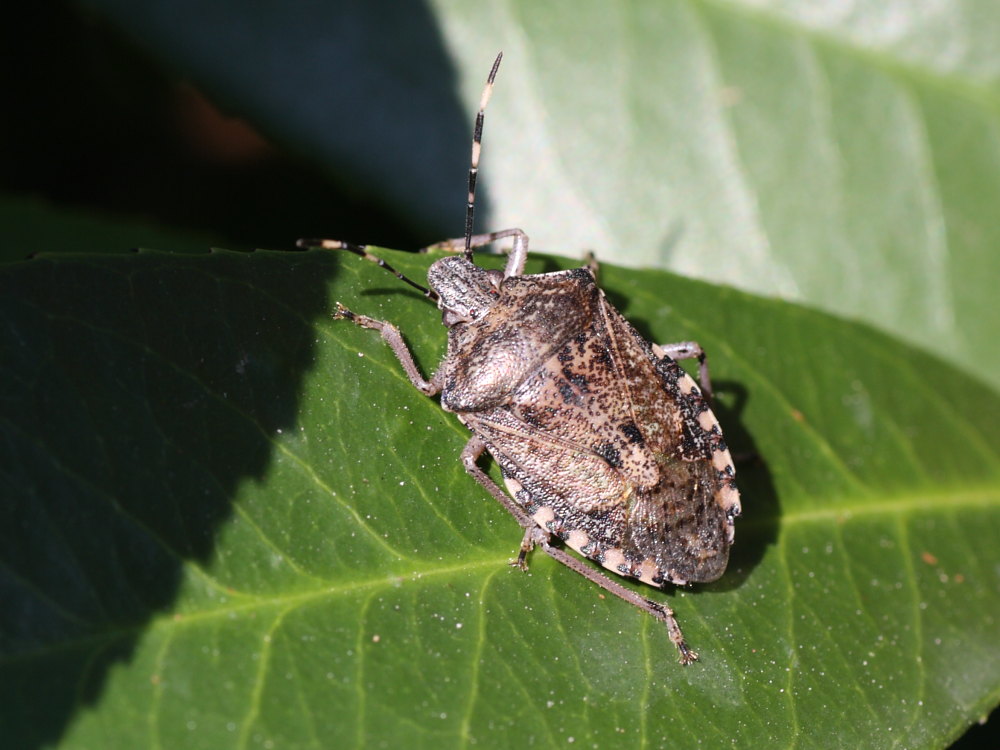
[604,442]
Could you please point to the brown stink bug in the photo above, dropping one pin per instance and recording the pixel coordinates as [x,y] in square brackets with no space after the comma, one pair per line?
[604,442]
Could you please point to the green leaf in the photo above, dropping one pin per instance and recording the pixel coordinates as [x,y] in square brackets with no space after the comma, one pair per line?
[846,159]
[230,521]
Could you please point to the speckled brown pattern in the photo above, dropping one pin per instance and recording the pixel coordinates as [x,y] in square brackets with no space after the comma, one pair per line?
[614,446]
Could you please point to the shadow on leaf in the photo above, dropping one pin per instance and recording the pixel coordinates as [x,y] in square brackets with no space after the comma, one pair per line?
[141,391]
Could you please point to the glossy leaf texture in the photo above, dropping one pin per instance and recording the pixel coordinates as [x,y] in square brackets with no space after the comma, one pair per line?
[845,155]
[230,521]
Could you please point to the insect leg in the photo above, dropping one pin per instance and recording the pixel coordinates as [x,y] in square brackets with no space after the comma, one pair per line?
[517,256]
[527,544]
[470,454]
[690,350]
[392,336]
[457,244]
[661,612]
[533,534]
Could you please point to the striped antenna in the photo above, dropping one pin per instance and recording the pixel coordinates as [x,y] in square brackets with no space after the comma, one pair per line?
[477,147]
[362,251]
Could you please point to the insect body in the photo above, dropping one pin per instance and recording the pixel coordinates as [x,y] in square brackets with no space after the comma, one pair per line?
[604,442]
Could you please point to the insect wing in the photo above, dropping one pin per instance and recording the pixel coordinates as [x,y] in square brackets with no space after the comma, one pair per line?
[682,522]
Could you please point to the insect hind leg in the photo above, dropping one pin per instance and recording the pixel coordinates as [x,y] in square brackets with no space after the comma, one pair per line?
[661,612]
[470,454]
[534,535]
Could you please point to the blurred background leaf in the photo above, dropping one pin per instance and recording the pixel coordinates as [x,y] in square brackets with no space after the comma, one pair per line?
[843,156]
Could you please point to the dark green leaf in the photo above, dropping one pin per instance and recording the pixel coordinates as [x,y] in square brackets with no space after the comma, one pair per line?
[29,226]
[230,521]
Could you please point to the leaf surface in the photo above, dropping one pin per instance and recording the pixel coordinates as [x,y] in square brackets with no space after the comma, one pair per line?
[230,521]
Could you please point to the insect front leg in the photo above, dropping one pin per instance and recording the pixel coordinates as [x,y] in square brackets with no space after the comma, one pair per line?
[689,350]
[392,336]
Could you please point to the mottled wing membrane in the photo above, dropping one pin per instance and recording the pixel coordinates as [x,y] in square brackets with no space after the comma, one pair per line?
[680,526]
[559,469]
[681,522]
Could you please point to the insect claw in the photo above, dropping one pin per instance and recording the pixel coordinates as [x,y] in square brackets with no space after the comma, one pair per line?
[342,313]
[519,563]
[687,656]
[531,538]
